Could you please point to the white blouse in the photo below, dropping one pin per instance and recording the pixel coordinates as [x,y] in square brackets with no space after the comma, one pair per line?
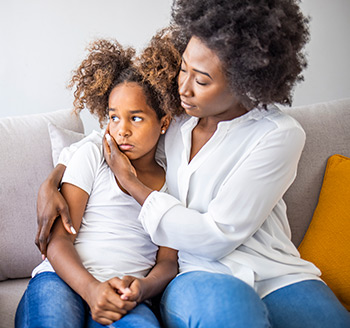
[224,211]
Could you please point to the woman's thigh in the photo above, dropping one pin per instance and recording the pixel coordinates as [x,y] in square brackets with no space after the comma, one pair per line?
[49,302]
[309,303]
[140,316]
[203,299]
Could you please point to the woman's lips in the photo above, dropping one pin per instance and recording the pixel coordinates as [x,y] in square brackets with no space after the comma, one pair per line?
[186,105]
[125,147]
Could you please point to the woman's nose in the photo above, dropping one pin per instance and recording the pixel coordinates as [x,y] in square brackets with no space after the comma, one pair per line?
[185,86]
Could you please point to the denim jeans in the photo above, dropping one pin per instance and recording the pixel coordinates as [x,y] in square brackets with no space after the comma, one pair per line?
[49,302]
[203,299]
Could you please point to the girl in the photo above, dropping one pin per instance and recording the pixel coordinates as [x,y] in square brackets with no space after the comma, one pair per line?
[230,160]
[110,267]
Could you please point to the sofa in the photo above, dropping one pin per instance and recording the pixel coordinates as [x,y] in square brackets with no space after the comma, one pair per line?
[30,145]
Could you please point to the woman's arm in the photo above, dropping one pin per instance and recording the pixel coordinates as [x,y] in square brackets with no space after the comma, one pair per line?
[240,207]
[50,205]
[104,302]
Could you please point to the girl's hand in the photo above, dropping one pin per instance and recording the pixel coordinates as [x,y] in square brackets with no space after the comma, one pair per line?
[105,302]
[131,289]
[117,161]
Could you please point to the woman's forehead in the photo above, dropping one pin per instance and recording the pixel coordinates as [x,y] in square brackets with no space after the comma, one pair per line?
[200,57]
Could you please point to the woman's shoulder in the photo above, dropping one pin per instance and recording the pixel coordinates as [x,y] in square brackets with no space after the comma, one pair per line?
[281,119]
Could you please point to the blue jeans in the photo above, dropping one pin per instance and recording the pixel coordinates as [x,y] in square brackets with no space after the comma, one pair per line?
[203,299]
[49,302]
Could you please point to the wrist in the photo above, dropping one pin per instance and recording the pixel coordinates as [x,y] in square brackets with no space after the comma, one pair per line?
[88,291]
[138,190]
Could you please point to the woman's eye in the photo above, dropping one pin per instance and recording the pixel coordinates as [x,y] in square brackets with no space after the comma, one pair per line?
[201,83]
[136,119]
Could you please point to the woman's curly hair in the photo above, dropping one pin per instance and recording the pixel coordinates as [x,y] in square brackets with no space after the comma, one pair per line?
[109,64]
[259,42]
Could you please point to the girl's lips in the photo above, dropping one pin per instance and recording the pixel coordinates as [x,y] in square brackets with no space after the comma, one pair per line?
[125,147]
[186,105]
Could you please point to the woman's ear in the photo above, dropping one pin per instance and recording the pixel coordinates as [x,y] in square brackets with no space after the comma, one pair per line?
[165,122]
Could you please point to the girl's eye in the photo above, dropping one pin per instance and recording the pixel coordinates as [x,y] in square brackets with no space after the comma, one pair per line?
[114,118]
[137,118]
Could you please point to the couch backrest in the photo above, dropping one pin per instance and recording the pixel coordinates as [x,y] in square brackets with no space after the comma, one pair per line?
[25,161]
[327,127]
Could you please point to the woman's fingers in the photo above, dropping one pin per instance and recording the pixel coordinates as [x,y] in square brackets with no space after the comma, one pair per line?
[48,210]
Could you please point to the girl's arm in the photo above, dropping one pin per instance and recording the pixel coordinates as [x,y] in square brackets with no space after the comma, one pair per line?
[165,269]
[105,303]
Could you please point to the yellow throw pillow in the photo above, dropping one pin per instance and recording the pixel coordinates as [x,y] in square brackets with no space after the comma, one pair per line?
[327,240]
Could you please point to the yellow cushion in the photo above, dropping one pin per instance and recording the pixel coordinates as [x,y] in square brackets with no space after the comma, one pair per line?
[327,240]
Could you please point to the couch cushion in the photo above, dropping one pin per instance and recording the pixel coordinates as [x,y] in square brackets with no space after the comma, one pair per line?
[327,240]
[61,138]
[327,127]
[26,160]
[11,292]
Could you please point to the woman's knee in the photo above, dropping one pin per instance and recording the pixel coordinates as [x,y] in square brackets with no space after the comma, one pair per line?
[206,299]
[308,303]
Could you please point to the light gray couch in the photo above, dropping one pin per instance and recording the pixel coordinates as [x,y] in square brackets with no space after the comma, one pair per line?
[26,161]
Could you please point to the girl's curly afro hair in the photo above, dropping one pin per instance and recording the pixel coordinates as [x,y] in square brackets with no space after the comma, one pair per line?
[109,64]
[259,42]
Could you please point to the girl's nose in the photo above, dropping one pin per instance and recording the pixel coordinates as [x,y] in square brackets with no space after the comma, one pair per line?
[124,130]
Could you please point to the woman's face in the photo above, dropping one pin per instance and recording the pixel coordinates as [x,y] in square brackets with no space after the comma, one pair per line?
[203,87]
[132,122]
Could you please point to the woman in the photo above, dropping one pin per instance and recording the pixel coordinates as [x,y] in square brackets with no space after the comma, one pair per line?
[230,160]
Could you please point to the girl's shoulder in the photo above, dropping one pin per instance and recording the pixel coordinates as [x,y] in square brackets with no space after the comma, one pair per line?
[89,152]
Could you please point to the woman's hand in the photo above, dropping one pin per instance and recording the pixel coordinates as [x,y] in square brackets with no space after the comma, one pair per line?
[106,302]
[50,205]
[117,161]
[123,170]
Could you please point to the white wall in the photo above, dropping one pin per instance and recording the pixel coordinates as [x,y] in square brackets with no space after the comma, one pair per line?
[328,74]
[42,41]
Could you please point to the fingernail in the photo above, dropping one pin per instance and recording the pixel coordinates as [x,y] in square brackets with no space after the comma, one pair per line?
[73,230]
[108,137]
[43,257]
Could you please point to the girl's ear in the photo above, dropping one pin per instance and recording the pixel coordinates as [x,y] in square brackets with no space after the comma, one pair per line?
[165,122]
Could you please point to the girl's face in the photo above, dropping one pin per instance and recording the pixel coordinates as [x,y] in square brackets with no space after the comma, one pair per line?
[203,87]
[132,122]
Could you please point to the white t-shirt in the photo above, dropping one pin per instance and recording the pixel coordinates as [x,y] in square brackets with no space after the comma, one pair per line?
[111,241]
[224,210]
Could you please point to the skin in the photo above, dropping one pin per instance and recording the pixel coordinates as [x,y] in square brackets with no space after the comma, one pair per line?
[136,129]
[205,93]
